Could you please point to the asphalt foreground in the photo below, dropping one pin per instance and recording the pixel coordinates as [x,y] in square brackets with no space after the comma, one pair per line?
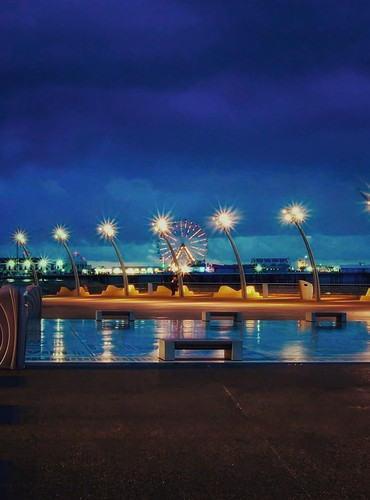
[187,430]
[194,432]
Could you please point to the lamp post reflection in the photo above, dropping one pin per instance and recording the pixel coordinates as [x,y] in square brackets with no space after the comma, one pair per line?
[59,348]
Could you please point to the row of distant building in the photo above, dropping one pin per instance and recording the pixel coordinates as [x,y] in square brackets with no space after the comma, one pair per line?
[49,267]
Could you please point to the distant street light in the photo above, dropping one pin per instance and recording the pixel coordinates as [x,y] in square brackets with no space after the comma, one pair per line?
[20,237]
[162,226]
[61,234]
[367,199]
[296,214]
[226,220]
[108,230]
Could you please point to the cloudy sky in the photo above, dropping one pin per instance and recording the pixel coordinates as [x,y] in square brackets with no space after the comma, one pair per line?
[122,109]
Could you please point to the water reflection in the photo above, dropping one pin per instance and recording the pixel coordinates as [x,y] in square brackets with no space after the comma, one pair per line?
[116,340]
[107,345]
[294,352]
[177,328]
[58,353]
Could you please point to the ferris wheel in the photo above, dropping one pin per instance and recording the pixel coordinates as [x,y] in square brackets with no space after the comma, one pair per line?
[188,241]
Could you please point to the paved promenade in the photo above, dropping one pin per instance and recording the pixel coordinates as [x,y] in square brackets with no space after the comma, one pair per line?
[275,307]
[187,431]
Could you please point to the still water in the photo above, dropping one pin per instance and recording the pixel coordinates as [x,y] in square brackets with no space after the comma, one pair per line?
[117,341]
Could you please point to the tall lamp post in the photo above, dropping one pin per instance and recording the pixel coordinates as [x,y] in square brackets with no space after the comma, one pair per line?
[61,234]
[108,230]
[162,225]
[296,214]
[20,237]
[226,220]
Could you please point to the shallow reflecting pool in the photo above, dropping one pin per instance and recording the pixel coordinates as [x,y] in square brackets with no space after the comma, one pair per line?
[137,341]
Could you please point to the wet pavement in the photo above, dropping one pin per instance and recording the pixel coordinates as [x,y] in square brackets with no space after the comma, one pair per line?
[119,341]
[188,430]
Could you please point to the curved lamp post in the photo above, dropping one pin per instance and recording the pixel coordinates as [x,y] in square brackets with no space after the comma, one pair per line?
[161,225]
[20,237]
[226,220]
[61,234]
[296,214]
[108,230]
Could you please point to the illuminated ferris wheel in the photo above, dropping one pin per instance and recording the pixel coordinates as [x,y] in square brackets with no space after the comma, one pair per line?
[188,241]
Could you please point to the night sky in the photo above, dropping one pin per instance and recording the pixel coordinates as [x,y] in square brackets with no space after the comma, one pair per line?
[123,109]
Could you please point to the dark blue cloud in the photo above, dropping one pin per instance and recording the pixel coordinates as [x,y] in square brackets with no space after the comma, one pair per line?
[119,109]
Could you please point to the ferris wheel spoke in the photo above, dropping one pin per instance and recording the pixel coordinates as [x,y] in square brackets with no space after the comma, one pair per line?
[188,241]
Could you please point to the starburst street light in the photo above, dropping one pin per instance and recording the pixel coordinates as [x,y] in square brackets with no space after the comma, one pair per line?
[108,229]
[297,214]
[20,237]
[162,225]
[61,234]
[225,220]
[43,263]
[366,195]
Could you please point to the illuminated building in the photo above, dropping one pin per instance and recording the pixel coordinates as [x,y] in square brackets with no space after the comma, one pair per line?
[268,264]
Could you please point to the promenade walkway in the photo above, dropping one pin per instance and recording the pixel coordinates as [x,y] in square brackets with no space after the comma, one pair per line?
[187,431]
[277,307]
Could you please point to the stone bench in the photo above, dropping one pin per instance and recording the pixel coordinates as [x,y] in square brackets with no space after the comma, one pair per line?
[232,348]
[114,314]
[208,315]
[314,317]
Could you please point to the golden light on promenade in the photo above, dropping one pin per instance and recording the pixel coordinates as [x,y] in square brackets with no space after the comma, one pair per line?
[20,237]
[297,214]
[225,220]
[108,229]
[60,233]
[293,214]
[161,224]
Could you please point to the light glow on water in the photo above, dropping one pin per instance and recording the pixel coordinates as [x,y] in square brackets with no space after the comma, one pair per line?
[263,341]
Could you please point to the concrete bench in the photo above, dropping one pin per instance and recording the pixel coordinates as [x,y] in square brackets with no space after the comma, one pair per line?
[208,315]
[232,348]
[114,314]
[313,317]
